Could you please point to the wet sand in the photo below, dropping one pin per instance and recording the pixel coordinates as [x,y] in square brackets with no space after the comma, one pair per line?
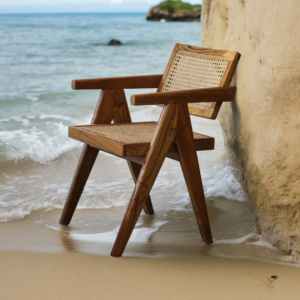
[167,233]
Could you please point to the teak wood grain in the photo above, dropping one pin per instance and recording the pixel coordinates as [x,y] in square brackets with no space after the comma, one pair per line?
[103,114]
[138,159]
[135,170]
[129,82]
[111,106]
[122,115]
[218,94]
[164,135]
[190,168]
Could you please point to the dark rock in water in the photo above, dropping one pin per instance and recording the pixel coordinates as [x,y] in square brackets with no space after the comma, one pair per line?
[156,14]
[114,42]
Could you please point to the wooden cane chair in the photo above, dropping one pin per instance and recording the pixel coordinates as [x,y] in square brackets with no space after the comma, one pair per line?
[196,81]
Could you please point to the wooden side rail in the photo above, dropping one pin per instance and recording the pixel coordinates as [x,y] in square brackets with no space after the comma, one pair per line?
[218,94]
[129,82]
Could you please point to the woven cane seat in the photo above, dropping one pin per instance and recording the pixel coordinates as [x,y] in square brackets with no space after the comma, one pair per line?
[128,139]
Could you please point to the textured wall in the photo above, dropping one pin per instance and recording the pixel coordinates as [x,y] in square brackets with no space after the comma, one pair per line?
[262,125]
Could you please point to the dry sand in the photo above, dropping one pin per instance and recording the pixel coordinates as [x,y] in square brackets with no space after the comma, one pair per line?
[37,262]
[86,276]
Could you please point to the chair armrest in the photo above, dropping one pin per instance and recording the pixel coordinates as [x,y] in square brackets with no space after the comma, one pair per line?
[129,82]
[218,94]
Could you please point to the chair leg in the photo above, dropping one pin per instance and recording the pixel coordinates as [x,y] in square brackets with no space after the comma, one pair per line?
[190,167]
[164,135]
[135,171]
[104,113]
[122,115]
[84,167]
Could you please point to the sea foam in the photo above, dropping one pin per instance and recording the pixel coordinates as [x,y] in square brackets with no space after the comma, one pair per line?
[140,234]
[36,144]
[42,138]
[251,239]
[15,202]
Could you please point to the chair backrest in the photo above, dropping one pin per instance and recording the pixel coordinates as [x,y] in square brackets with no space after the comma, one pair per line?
[192,67]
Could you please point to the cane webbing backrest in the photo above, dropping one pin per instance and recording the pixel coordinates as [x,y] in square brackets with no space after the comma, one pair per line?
[195,68]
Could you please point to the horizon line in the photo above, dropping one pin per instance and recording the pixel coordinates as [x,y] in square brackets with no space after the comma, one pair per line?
[75,12]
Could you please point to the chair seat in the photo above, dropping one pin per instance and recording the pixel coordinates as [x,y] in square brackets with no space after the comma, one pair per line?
[128,139]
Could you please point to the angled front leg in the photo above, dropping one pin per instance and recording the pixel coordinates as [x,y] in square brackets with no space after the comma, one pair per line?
[122,115]
[135,170]
[104,113]
[190,167]
[164,135]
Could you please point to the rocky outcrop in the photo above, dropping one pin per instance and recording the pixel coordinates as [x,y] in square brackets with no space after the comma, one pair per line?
[156,14]
[114,42]
[262,125]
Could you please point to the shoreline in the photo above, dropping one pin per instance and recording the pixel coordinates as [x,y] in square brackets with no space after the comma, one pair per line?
[93,231]
[48,261]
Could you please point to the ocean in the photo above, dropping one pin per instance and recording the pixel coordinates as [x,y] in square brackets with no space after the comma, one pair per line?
[40,54]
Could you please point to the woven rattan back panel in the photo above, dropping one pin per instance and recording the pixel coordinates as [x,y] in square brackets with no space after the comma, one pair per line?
[195,71]
[196,68]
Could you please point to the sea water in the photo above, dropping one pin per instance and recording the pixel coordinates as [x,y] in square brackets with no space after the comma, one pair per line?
[40,54]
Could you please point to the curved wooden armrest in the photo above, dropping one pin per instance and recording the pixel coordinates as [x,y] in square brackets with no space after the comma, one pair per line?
[129,82]
[218,94]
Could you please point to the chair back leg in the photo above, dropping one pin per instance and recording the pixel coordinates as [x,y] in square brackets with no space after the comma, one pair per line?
[135,171]
[191,171]
[164,136]
[122,115]
[111,106]
[103,114]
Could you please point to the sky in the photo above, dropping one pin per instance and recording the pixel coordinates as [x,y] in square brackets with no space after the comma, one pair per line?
[47,6]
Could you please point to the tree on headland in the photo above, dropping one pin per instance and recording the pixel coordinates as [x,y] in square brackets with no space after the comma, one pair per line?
[176,5]
[175,10]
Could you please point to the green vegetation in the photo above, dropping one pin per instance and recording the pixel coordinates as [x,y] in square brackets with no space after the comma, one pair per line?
[175,5]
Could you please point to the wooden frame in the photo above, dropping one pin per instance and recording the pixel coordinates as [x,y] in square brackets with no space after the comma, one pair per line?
[218,94]
[129,82]
[173,138]
[127,149]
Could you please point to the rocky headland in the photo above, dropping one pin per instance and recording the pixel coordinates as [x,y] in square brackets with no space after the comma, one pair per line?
[175,11]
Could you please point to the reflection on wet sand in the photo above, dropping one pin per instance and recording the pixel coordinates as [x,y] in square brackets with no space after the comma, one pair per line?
[68,243]
[168,233]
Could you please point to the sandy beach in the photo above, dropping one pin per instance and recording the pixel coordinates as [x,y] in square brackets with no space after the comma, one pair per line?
[26,275]
[164,259]
[40,262]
